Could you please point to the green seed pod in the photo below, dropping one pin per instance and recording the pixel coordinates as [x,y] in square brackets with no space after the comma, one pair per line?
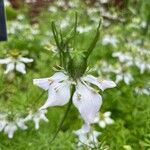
[77,66]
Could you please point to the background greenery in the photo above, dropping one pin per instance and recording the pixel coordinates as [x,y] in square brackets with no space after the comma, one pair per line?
[18,95]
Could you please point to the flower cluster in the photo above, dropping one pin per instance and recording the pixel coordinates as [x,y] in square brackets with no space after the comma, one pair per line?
[10,125]
[15,62]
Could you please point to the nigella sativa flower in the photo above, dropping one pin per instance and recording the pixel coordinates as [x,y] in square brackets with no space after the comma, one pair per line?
[15,63]
[104,119]
[10,127]
[37,117]
[85,98]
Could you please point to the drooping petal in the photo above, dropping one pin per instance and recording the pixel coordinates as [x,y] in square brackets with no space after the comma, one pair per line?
[38,116]
[59,94]
[104,84]
[45,83]
[20,67]
[25,60]
[10,67]
[87,101]
[21,124]
[10,130]
[5,61]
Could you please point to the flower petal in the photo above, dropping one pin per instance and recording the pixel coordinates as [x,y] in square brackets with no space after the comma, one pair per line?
[87,101]
[102,124]
[5,61]
[101,84]
[107,114]
[45,83]
[59,94]
[10,67]
[108,120]
[20,67]
[25,60]
[10,130]
[21,124]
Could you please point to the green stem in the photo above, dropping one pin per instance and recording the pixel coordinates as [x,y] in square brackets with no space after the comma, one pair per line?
[93,44]
[65,115]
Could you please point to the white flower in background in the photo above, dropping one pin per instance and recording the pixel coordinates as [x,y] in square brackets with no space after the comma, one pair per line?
[108,39]
[87,138]
[124,57]
[142,90]
[20,17]
[21,123]
[87,100]
[17,64]
[10,129]
[81,29]
[52,9]
[37,117]
[124,76]
[143,65]
[104,119]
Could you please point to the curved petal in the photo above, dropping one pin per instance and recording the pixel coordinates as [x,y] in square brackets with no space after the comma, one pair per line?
[10,130]
[10,67]
[20,67]
[87,101]
[59,76]
[5,61]
[104,84]
[59,94]
[102,124]
[45,83]
[109,120]
[25,60]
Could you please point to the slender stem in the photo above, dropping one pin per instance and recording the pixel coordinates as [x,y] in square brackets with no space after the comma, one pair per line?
[65,115]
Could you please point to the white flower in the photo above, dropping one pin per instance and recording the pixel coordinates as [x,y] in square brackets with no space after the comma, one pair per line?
[81,29]
[21,123]
[10,129]
[85,98]
[87,138]
[108,39]
[126,77]
[142,90]
[37,117]
[104,119]
[17,64]
[142,65]
[124,57]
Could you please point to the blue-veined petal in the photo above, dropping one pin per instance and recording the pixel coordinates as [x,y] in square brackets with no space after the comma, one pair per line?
[87,101]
